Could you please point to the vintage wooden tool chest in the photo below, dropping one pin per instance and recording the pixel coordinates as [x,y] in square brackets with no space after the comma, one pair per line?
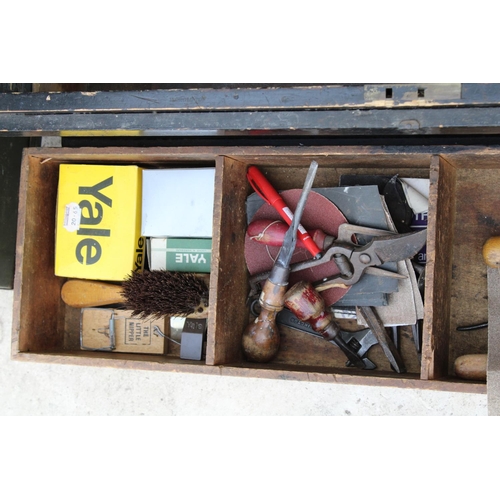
[463,213]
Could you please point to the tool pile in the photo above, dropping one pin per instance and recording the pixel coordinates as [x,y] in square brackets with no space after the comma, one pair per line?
[318,255]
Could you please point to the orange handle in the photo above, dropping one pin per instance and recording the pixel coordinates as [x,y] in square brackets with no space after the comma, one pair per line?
[88,293]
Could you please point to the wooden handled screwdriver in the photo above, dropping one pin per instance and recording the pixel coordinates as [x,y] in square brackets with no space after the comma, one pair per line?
[261,339]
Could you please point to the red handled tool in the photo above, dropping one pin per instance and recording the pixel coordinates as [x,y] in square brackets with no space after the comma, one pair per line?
[266,191]
[308,305]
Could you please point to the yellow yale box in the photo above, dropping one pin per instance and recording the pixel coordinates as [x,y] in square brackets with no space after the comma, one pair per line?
[98,227]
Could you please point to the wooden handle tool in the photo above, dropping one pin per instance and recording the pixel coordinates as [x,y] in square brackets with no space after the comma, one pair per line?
[491,252]
[87,293]
[471,366]
[150,293]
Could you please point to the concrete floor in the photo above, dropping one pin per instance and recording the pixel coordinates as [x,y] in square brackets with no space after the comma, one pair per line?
[57,390]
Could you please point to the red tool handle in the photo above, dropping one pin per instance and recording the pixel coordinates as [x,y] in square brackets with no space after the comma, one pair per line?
[272,233]
[266,191]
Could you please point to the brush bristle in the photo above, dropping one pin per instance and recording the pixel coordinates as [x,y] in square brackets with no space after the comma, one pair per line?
[165,293]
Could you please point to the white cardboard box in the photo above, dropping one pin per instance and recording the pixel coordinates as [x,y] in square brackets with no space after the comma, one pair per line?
[178,202]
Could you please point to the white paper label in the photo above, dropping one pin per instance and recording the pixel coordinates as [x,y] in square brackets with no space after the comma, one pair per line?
[72,217]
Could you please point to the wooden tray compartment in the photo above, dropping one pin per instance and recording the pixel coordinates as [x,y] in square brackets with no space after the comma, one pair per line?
[465,213]
[298,350]
[44,328]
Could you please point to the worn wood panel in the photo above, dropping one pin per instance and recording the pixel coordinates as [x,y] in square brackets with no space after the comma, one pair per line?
[37,314]
[341,122]
[306,374]
[441,218]
[407,156]
[70,97]
[477,218]
[228,276]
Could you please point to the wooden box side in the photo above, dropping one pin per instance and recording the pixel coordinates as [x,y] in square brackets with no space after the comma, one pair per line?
[36,315]
[438,269]
[477,219]
[228,277]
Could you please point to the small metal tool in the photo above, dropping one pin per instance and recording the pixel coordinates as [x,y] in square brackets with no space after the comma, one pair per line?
[416,330]
[395,336]
[364,339]
[469,328]
[378,329]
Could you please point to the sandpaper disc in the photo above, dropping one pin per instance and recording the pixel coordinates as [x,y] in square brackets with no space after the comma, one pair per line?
[319,213]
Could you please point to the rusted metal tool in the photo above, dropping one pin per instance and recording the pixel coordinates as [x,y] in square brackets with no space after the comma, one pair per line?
[261,339]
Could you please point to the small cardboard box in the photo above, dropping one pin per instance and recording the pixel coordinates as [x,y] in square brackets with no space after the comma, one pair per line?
[180,254]
[178,202]
[116,330]
[98,226]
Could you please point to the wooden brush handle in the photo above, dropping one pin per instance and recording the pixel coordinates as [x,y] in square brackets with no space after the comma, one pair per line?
[87,293]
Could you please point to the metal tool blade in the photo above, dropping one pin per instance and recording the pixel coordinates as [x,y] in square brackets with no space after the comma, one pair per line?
[290,240]
[378,271]
[377,327]
[399,247]
[346,232]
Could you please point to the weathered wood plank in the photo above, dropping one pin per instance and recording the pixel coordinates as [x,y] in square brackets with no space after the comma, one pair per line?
[321,122]
[88,98]
[228,276]
[438,269]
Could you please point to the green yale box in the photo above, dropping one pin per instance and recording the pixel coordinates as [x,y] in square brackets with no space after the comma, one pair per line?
[180,254]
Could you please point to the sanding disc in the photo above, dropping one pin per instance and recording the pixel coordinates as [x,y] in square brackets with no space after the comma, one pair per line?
[319,213]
